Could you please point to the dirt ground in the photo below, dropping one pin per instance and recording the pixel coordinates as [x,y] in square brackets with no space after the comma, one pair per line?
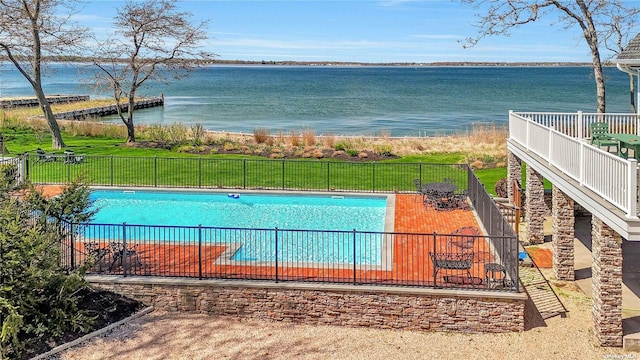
[162,335]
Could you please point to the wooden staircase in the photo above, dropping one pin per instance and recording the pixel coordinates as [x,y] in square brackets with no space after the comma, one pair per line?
[511,211]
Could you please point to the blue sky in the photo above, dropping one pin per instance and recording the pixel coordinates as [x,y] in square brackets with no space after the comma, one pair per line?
[360,31]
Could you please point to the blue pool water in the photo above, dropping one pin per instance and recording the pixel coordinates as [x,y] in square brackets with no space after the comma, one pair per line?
[233,219]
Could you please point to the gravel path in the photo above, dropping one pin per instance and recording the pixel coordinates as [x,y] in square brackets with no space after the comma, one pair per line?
[162,335]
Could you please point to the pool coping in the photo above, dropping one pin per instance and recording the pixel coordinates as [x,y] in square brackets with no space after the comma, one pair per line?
[310,286]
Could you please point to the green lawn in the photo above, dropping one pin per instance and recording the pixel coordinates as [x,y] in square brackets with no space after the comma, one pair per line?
[109,161]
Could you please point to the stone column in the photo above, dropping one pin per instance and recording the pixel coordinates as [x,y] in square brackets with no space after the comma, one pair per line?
[514,172]
[563,235]
[534,207]
[606,271]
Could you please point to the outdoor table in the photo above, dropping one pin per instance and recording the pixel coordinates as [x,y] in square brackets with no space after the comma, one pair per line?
[440,194]
[626,142]
[440,188]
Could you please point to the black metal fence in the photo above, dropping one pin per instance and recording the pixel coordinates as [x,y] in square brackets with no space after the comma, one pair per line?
[12,169]
[278,254]
[495,224]
[285,174]
[354,257]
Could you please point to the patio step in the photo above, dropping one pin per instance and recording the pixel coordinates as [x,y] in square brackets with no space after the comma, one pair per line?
[541,293]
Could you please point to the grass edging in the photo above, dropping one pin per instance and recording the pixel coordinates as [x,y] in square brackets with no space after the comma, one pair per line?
[91,335]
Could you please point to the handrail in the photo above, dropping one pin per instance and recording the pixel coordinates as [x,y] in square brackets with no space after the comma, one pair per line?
[577,158]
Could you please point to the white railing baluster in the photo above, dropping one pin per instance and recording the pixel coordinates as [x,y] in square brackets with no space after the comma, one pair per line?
[558,139]
[632,188]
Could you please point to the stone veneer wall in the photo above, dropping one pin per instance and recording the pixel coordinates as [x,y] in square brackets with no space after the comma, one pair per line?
[606,285]
[563,235]
[535,207]
[514,172]
[323,304]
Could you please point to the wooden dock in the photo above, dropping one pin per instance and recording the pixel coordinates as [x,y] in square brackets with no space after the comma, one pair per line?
[6,103]
[108,110]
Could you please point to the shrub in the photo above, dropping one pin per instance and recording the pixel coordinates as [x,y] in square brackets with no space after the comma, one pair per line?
[352,152]
[38,297]
[294,138]
[329,140]
[178,132]
[157,132]
[382,149]
[260,135]
[309,137]
[340,146]
[197,133]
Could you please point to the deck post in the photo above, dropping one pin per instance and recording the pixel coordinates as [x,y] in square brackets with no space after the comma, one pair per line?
[563,235]
[607,283]
[632,189]
[535,206]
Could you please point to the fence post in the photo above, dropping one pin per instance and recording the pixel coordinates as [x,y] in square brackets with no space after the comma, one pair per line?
[200,251]
[25,167]
[282,174]
[373,176]
[328,176]
[244,178]
[68,171]
[73,252]
[123,257]
[435,254]
[420,169]
[111,168]
[155,171]
[354,258]
[199,171]
[276,229]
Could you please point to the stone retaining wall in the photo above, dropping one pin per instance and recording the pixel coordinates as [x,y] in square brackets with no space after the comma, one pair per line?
[342,305]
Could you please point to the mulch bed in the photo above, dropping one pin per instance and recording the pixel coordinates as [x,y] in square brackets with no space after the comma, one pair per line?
[105,306]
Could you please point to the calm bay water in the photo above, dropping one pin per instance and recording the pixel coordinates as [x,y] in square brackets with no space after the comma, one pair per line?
[405,101]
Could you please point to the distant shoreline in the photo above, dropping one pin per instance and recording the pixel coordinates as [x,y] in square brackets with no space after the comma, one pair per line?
[72,59]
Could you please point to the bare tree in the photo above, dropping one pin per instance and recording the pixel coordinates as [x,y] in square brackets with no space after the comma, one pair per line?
[156,41]
[31,30]
[617,36]
[590,15]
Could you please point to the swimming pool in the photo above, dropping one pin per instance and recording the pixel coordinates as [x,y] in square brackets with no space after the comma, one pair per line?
[312,228]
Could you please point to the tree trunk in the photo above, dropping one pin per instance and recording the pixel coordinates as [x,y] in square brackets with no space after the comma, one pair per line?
[56,136]
[3,147]
[131,137]
[600,88]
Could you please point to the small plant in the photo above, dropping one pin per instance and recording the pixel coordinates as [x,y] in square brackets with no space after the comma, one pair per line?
[157,132]
[261,135]
[197,133]
[270,141]
[340,146]
[352,152]
[383,149]
[294,138]
[229,146]
[177,132]
[329,140]
[309,137]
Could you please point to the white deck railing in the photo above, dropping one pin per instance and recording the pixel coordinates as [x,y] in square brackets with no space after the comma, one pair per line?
[612,177]
[577,124]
